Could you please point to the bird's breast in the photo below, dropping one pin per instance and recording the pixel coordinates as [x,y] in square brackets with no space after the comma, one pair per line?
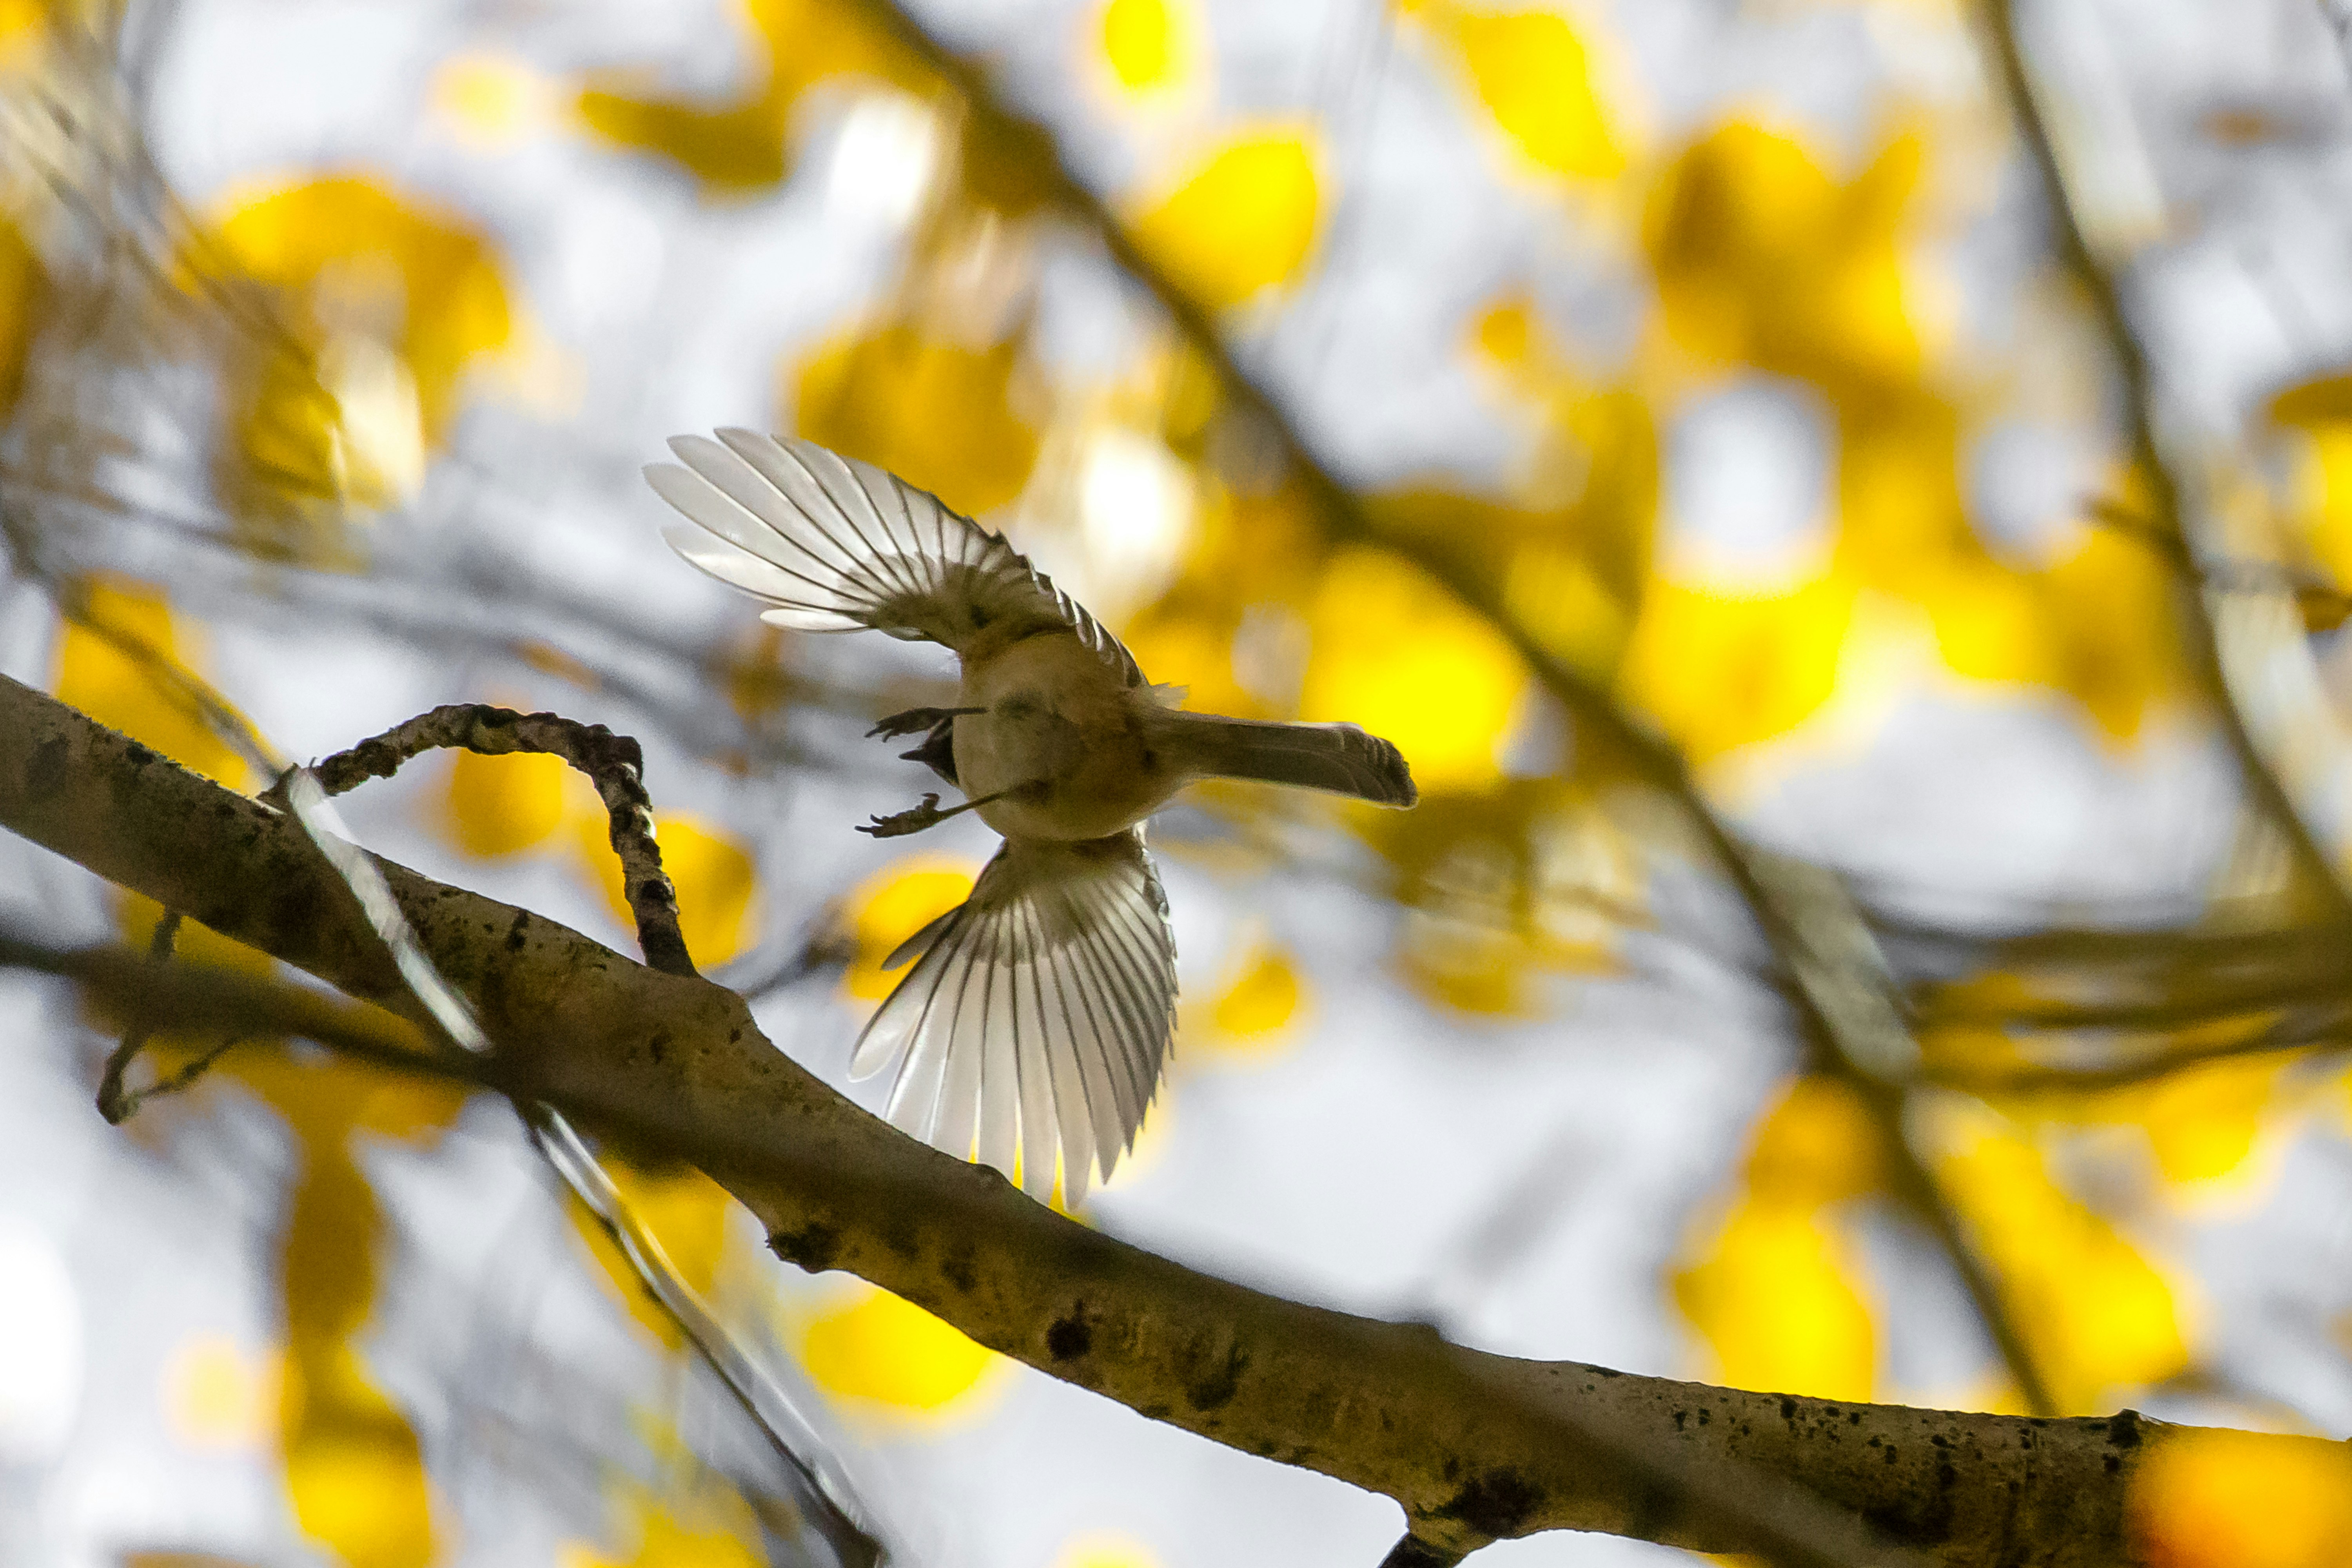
[1060,735]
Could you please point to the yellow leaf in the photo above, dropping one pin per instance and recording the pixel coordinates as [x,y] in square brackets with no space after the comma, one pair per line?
[1102,1550]
[2213,1498]
[889,1351]
[2097,1317]
[1394,653]
[1146,43]
[1261,1003]
[1530,70]
[893,905]
[391,300]
[22,283]
[712,872]
[664,1542]
[938,415]
[1773,1293]
[1240,221]
[96,674]
[503,805]
[218,1395]
[1720,672]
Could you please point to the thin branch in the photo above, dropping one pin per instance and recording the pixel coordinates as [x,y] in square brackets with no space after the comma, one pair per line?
[113,1102]
[614,764]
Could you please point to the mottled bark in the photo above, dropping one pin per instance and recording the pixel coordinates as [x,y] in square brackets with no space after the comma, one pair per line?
[1473,1445]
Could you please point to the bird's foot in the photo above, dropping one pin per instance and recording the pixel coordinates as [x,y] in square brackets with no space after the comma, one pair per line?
[900,824]
[915,718]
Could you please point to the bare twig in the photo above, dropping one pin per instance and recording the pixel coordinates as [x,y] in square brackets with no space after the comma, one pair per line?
[614,764]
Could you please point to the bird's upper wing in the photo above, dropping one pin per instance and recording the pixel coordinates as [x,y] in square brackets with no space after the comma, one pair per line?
[836,544]
[1039,1014]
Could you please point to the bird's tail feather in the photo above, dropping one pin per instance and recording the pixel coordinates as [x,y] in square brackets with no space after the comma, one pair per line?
[1340,758]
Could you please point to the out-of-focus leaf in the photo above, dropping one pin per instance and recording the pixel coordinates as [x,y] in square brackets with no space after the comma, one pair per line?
[2098,1317]
[22,284]
[2213,1498]
[1393,653]
[1775,1291]
[1530,70]
[938,414]
[708,1524]
[1719,673]
[220,1397]
[713,873]
[1149,44]
[1258,1007]
[893,905]
[1241,220]
[743,144]
[389,302]
[885,1351]
[118,690]
[505,804]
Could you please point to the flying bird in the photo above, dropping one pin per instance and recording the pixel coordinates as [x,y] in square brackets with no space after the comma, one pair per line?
[1037,1018]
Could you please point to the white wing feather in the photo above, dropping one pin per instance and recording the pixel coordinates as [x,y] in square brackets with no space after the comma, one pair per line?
[835,544]
[1039,1016]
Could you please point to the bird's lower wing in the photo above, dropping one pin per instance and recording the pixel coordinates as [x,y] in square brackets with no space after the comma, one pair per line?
[1039,1015]
[836,544]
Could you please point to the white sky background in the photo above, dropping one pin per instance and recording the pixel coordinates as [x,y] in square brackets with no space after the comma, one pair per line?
[1351,1168]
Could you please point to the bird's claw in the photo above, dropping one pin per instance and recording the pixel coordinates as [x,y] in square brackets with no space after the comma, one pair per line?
[913,720]
[900,824]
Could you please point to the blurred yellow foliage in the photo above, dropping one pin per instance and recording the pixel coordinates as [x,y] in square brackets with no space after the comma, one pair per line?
[106,681]
[218,1395]
[389,300]
[891,906]
[1394,653]
[1718,672]
[505,804]
[1530,70]
[1239,221]
[711,870]
[1774,1291]
[743,144]
[1147,42]
[937,414]
[1261,1003]
[2096,1316]
[1760,257]
[1101,1550]
[663,1542]
[882,1349]
[2319,413]
[493,100]
[2206,1498]
[22,280]
[686,1212]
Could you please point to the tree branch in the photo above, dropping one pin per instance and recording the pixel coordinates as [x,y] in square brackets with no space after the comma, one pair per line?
[1474,1447]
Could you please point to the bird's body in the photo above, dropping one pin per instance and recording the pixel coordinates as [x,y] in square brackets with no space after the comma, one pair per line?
[1037,1018]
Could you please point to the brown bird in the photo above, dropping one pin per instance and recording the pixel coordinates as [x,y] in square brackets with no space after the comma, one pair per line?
[1037,1018]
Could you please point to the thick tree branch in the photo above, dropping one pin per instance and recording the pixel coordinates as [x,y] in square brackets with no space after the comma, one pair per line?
[1473,1445]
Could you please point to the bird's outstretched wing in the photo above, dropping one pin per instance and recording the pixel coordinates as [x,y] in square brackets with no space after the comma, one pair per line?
[1039,1015]
[836,544]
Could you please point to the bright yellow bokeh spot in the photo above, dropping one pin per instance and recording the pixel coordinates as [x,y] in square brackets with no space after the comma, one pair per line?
[663,1542]
[1720,672]
[1774,1293]
[493,100]
[121,688]
[711,870]
[893,905]
[360,1492]
[1242,221]
[889,1351]
[1394,653]
[2213,1498]
[219,1396]
[1103,1549]
[2096,1316]
[505,804]
[391,300]
[940,415]
[1530,70]
[1262,1002]
[1144,41]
